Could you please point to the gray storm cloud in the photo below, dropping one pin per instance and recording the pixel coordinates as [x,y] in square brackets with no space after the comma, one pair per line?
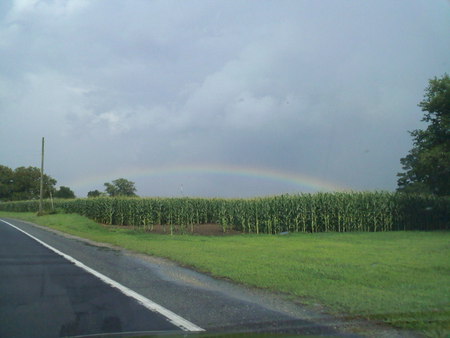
[326,89]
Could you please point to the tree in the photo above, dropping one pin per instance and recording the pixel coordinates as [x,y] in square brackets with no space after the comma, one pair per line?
[120,187]
[64,192]
[23,183]
[427,165]
[95,193]
[26,184]
[6,181]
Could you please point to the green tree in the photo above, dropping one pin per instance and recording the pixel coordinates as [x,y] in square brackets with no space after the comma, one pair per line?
[427,165]
[95,193]
[6,183]
[120,187]
[26,183]
[23,183]
[64,192]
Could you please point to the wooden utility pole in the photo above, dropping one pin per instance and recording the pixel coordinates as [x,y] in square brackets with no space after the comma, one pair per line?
[41,195]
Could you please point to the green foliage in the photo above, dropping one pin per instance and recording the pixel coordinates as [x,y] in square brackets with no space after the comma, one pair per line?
[320,212]
[427,166]
[95,193]
[120,187]
[6,183]
[23,183]
[48,212]
[64,192]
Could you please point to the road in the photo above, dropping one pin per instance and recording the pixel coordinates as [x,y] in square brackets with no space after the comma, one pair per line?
[86,288]
[44,294]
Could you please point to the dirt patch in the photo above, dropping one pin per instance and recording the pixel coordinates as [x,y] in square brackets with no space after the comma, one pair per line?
[210,229]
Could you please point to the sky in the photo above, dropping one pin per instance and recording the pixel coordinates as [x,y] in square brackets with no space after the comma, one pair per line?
[217,98]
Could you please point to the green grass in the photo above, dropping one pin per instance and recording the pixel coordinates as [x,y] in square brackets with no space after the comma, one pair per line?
[402,278]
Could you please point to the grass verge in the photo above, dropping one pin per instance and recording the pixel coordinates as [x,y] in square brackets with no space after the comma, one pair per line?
[401,278]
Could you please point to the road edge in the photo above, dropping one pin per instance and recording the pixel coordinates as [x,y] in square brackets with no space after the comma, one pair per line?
[172,317]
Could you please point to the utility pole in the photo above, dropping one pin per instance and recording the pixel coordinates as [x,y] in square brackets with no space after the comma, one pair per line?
[41,195]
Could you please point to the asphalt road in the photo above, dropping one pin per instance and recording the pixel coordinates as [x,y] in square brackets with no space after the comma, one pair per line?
[44,294]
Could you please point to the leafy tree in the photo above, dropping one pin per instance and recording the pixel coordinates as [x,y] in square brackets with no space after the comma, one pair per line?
[427,165]
[6,180]
[23,183]
[95,193]
[26,183]
[120,187]
[64,192]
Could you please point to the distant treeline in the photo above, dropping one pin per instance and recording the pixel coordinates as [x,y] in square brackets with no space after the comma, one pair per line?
[23,183]
[319,212]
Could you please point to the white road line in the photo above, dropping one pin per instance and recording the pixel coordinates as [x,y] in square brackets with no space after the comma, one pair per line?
[172,317]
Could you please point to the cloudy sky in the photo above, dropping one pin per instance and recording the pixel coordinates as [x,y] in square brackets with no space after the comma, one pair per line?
[217,98]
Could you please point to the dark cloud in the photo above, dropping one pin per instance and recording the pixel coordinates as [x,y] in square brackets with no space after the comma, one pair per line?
[326,89]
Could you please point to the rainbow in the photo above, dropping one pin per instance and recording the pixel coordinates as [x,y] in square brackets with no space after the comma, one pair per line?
[290,178]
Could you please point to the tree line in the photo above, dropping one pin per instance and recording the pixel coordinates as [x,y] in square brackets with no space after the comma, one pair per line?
[119,187]
[23,183]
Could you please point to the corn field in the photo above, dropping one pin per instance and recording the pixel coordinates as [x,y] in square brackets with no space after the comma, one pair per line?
[319,212]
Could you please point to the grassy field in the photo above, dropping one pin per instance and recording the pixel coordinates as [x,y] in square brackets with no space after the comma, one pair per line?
[402,278]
